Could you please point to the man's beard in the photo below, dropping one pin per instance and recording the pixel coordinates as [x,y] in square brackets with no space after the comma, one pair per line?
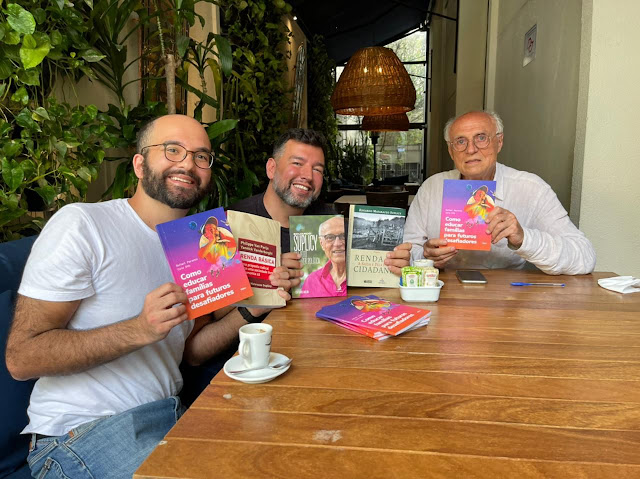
[155,185]
[289,198]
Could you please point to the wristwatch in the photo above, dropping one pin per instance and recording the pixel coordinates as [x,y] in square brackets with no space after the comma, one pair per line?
[250,318]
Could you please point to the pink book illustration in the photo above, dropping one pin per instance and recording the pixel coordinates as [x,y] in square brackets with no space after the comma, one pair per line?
[204,260]
[465,206]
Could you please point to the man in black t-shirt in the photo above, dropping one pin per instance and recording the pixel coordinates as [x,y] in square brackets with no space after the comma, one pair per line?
[295,174]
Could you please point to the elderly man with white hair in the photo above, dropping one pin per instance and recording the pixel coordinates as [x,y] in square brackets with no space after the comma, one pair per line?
[528,224]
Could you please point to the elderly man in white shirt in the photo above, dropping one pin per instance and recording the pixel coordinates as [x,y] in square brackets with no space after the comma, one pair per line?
[528,224]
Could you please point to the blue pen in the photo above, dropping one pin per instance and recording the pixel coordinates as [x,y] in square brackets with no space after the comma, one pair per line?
[538,284]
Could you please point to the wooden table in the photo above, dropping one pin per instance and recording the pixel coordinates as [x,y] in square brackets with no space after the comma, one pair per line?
[506,382]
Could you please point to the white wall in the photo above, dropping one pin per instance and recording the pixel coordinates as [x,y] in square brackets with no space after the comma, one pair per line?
[537,102]
[607,152]
[472,48]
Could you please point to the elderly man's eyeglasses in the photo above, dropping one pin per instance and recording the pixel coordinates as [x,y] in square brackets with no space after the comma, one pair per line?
[481,141]
[177,153]
[331,238]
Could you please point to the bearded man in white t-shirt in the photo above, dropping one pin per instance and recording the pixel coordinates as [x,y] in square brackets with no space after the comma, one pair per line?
[102,325]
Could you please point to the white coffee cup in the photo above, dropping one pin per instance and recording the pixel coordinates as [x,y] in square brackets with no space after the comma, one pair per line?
[255,344]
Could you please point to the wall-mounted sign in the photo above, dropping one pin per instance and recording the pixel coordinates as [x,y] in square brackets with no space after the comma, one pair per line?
[530,45]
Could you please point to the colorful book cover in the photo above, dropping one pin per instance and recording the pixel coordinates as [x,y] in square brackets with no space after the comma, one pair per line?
[202,255]
[376,315]
[258,241]
[373,232]
[465,206]
[321,241]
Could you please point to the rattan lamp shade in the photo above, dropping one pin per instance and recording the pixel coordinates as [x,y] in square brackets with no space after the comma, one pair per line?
[397,122]
[374,82]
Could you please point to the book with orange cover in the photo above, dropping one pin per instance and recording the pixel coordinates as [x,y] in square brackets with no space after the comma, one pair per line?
[375,317]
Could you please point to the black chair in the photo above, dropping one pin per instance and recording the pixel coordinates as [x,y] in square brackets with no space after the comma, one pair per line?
[397,199]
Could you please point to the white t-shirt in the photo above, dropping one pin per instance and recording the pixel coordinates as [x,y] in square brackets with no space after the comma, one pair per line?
[106,256]
[551,241]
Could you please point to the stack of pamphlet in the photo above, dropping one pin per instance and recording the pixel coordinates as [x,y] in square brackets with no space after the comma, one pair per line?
[375,317]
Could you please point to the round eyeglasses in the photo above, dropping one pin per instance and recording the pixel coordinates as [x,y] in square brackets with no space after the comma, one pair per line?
[481,141]
[177,153]
[332,238]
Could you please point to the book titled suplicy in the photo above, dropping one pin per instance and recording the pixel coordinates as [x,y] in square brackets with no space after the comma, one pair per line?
[204,260]
[375,317]
[465,206]
[321,242]
[258,241]
[373,232]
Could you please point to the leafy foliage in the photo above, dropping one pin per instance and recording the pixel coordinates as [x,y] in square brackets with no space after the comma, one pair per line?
[49,151]
[257,92]
[321,117]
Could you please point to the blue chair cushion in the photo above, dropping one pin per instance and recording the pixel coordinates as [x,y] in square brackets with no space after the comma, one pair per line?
[14,396]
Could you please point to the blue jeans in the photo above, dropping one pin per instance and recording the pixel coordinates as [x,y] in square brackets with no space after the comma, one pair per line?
[110,447]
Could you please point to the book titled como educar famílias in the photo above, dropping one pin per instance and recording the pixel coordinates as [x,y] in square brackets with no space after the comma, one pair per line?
[204,261]
[465,206]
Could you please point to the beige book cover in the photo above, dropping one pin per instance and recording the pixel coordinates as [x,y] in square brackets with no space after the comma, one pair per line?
[258,241]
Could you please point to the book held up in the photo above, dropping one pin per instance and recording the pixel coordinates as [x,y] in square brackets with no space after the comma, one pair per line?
[321,241]
[373,232]
[259,248]
[465,206]
[204,260]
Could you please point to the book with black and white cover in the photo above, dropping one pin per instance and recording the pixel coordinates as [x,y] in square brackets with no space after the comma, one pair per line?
[374,231]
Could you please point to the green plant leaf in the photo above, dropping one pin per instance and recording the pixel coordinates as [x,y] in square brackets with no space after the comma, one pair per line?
[29,77]
[11,149]
[56,38]
[40,114]
[6,69]
[182,44]
[3,87]
[47,193]
[32,57]
[29,42]
[25,121]
[91,55]
[11,38]
[220,127]
[20,19]
[224,53]
[8,215]
[61,146]
[12,174]
[85,174]
[39,15]
[20,96]
[4,127]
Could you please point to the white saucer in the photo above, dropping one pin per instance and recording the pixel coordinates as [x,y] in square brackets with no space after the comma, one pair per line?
[255,377]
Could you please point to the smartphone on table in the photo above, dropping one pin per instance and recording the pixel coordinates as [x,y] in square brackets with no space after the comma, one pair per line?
[470,276]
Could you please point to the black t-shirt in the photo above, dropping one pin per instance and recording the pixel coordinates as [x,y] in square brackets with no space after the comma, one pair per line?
[255,205]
